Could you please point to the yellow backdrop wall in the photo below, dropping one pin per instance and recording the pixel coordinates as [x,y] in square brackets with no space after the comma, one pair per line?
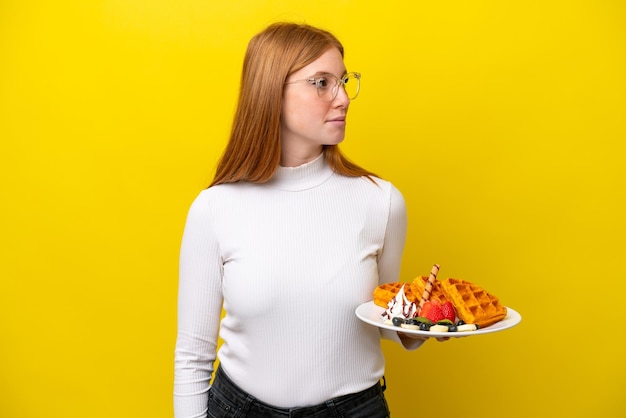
[503,123]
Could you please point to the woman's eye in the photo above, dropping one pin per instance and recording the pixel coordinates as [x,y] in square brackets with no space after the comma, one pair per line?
[322,83]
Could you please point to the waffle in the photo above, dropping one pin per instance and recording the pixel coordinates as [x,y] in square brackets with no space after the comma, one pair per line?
[417,287]
[386,291]
[473,304]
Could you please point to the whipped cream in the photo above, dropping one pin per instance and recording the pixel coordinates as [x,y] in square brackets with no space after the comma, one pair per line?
[400,306]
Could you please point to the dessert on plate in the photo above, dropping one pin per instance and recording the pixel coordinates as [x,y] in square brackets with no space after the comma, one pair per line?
[441,305]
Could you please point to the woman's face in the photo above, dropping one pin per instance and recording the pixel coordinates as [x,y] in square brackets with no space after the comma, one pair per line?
[308,122]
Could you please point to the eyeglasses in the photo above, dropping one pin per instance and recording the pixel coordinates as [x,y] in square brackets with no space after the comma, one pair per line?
[328,85]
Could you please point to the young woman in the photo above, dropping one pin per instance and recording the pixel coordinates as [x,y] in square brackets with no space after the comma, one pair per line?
[289,239]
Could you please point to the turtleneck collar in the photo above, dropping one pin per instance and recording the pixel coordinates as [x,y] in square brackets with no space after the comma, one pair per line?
[302,177]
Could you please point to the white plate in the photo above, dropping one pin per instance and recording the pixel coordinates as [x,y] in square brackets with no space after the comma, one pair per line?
[371,313]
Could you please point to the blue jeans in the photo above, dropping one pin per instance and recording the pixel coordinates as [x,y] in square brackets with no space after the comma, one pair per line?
[227,400]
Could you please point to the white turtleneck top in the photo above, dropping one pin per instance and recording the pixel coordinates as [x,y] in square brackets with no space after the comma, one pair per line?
[288,261]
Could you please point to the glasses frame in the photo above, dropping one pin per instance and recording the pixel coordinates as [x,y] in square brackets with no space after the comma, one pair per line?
[314,81]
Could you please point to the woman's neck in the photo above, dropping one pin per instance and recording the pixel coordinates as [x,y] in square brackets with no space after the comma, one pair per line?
[297,157]
[302,177]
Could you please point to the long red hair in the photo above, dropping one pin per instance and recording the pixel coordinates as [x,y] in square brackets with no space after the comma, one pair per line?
[253,151]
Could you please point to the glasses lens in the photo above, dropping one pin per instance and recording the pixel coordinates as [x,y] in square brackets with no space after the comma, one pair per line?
[352,83]
[327,86]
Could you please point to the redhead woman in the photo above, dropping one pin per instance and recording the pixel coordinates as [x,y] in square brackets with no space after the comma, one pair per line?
[288,240]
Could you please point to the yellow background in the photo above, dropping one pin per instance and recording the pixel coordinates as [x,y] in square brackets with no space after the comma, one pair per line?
[502,122]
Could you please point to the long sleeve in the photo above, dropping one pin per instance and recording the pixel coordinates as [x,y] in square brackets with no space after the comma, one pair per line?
[199,311]
[390,258]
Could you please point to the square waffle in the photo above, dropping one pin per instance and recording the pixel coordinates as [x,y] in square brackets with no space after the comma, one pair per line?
[473,304]
[436,293]
[386,291]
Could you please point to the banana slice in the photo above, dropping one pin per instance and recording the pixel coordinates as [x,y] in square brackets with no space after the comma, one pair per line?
[466,327]
[439,328]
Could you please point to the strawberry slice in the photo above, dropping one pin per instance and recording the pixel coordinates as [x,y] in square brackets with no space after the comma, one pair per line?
[432,310]
[448,312]
[426,307]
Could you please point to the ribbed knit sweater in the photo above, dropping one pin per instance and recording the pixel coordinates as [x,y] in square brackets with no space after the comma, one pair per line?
[288,261]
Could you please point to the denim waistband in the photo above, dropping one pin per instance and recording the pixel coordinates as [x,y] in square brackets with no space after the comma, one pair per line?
[246,403]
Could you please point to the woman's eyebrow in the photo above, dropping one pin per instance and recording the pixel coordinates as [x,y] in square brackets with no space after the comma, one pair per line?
[330,73]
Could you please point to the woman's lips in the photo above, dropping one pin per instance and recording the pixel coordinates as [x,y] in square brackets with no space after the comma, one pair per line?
[341,120]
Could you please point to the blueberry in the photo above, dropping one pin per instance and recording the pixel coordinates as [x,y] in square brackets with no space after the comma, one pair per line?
[412,321]
[424,326]
[397,321]
[451,328]
[461,322]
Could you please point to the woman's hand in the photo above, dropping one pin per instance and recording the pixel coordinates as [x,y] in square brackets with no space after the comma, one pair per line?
[421,337]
